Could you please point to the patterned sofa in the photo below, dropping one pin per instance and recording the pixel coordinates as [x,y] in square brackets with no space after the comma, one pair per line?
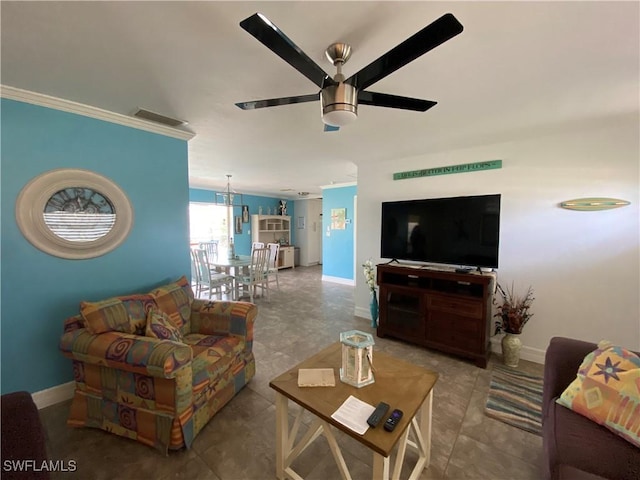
[159,391]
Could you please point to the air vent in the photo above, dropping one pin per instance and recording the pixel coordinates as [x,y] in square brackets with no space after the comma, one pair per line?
[156,117]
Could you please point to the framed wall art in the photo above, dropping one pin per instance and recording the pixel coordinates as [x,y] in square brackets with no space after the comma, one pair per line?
[338,218]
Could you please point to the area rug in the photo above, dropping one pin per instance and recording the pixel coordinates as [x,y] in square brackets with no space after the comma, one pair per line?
[515,398]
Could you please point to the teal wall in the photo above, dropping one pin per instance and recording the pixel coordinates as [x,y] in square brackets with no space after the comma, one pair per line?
[39,291]
[338,249]
[242,242]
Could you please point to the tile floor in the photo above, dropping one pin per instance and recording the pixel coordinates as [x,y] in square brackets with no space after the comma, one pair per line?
[238,443]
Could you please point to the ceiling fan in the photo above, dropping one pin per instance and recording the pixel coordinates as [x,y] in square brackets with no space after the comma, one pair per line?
[339,97]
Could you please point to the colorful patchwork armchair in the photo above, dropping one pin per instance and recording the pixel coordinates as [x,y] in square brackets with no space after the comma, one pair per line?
[157,367]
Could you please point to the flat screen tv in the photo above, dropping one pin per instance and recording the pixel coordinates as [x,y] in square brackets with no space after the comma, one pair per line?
[461,231]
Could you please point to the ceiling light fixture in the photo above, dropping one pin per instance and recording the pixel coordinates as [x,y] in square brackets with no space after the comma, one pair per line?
[229,198]
[339,102]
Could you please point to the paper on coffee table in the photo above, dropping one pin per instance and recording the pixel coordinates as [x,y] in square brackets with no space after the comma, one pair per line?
[353,414]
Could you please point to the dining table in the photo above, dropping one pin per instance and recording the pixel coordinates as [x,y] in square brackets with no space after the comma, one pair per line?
[232,266]
[223,261]
[236,263]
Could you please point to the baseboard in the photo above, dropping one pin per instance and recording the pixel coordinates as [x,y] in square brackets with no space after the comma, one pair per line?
[343,281]
[527,353]
[309,264]
[53,395]
[363,313]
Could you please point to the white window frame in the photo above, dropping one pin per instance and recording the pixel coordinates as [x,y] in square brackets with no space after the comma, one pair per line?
[35,195]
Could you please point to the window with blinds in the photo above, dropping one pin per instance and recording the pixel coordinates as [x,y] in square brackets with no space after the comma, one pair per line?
[80,226]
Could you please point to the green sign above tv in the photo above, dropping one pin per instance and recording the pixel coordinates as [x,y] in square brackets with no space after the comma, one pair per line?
[462,168]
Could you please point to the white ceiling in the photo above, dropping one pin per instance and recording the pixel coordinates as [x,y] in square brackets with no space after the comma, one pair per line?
[518,69]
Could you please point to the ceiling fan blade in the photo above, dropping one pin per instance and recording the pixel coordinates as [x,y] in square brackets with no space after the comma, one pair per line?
[275,40]
[274,102]
[330,128]
[394,101]
[434,34]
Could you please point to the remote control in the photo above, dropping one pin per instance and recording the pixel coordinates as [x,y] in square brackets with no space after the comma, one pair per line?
[393,420]
[378,414]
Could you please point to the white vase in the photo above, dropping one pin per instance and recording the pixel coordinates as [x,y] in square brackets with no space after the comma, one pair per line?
[511,346]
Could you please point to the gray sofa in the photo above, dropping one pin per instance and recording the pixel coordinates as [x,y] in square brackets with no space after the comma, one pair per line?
[574,446]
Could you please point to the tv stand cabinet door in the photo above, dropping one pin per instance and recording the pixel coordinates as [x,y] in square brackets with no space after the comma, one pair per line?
[402,313]
[455,331]
[457,325]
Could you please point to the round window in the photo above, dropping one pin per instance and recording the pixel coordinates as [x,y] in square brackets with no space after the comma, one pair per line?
[79,214]
[74,213]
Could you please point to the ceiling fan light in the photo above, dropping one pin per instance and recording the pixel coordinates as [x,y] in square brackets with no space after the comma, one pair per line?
[339,118]
[339,104]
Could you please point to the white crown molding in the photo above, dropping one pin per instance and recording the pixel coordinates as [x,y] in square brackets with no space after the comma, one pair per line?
[202,184]
[339,185]
[42,100]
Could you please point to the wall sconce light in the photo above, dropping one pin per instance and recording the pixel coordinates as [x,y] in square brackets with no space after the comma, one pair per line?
[591,204]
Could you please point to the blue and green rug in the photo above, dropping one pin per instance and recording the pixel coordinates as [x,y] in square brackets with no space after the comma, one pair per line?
[515,398]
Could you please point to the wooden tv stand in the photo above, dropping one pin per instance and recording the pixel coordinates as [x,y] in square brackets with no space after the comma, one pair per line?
[444,310]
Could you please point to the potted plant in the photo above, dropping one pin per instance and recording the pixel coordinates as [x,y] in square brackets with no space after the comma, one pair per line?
[514,312]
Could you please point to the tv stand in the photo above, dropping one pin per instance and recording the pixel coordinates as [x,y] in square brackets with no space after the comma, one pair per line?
[444,310]
[463,270]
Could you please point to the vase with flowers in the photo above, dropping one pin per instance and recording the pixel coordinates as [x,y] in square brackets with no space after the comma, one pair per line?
[514,312]
[370,276]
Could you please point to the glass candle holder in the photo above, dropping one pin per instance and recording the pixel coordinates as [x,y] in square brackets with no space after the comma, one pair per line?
[357,358]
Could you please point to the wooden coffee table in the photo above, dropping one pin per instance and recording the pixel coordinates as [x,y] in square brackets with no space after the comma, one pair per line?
[401,384]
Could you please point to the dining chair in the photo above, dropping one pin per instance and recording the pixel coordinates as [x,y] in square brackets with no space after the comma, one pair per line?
[208,280]
[195,273]
[272,270]
[211,248]
[255,245]
[256,275]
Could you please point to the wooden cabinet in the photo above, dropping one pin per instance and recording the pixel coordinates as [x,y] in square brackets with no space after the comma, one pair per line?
[274,229]
[402,312]
[271,229]
[438,309]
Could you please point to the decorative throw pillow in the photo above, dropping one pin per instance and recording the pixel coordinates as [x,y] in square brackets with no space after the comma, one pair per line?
[607,390]
[106,316]
[175,300]
[159,325]
[127,314]
[138,307]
